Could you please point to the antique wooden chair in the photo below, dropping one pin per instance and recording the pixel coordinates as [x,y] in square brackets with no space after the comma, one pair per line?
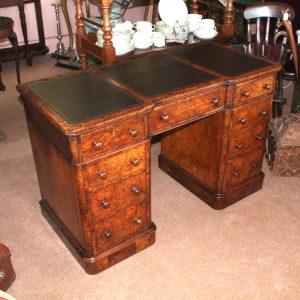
[6,31]
[273,33]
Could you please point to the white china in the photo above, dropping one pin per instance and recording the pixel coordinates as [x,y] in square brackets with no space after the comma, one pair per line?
[207,24]
[122,40]
[173,12]
[125,25]
[205,34]
[194,21]
[143,26]
[142,39]
[159,39]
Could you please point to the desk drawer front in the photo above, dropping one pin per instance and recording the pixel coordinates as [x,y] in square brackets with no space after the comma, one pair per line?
[121,226]
[246,92]
[247,140]
[241,169]
[249,116]
[167,116]
[112,168]
[113,137]
[109,200]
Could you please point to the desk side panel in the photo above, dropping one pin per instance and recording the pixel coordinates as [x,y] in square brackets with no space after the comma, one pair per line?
[56,178]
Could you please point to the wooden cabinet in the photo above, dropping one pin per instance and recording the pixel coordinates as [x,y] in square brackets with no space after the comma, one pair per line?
[92,153]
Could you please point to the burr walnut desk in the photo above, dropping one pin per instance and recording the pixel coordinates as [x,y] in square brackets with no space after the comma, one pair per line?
[90,133]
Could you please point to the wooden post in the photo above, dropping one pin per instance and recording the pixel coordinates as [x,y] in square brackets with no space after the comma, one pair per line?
[194,7]
[227,30]
[109,53]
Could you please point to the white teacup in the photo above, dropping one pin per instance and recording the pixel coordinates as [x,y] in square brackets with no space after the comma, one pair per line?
[194,21]
[143,39]
[159,39]
[143,26]
[125,25]
[208,24]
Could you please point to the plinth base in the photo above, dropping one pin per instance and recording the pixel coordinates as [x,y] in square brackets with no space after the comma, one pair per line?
[106,259]
[212,198]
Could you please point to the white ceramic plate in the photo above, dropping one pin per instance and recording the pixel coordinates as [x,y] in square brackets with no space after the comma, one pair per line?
[173,12]
[204,36]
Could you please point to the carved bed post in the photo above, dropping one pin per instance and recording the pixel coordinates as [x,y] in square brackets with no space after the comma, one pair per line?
[228,26]
[109,53]
[80,31]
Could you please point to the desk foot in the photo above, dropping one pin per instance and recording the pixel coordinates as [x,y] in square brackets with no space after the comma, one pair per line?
[95,264]
[212,198]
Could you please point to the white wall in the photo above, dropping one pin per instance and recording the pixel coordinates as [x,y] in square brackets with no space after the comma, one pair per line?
[49,22]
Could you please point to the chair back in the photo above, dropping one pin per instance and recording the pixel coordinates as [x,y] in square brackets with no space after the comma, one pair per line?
[271,37]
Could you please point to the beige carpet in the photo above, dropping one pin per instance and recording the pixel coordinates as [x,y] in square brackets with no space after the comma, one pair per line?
[251,250]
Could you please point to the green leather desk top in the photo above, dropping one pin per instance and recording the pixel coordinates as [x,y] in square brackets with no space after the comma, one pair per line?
[220,59]
[82,96]
[156,75]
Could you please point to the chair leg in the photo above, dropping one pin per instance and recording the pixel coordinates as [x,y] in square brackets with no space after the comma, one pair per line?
[2,86]
[14,40]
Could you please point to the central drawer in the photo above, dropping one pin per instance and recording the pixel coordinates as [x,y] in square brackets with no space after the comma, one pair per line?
[174,114]
[110,169]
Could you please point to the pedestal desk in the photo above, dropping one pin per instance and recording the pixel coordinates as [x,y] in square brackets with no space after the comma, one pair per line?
[90,133]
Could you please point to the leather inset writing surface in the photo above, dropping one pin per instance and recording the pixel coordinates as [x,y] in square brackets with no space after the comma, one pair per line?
[81,97]
[220,59]
[156,75]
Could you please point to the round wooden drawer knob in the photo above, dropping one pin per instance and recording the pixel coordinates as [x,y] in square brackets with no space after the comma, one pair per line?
[246,93]
[138,221]
[108,234]
[239,146]
[236,173]
[215,101]
[262,113]
[133,132]
[243,121]
[105,203]
[258,137]
[267,86]
[136,190]
[102,175]
[97,144]
[135,161]
[165,117]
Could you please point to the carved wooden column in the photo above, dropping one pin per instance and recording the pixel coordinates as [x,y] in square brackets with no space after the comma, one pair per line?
[194,7]
[109,53]
[79,32]
[228,26]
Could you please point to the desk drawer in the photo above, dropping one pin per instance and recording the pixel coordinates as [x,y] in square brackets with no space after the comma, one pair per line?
[109,200]
[250,115]
[243,168]
[113,137]
[246,141]
[172,114]
[121,226]
[247,91]
[110,169]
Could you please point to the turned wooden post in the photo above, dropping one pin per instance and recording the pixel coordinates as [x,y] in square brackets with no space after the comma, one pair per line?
[194,7]
[79,32]
[227,30]
[109,53]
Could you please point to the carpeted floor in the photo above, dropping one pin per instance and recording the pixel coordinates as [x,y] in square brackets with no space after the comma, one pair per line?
[250,250]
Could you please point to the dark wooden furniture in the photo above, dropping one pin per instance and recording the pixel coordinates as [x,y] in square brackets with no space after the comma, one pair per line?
[90,135]
[86,42]
[6,31]
[7,273]
[271,40]
[283,145]
[28,50]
